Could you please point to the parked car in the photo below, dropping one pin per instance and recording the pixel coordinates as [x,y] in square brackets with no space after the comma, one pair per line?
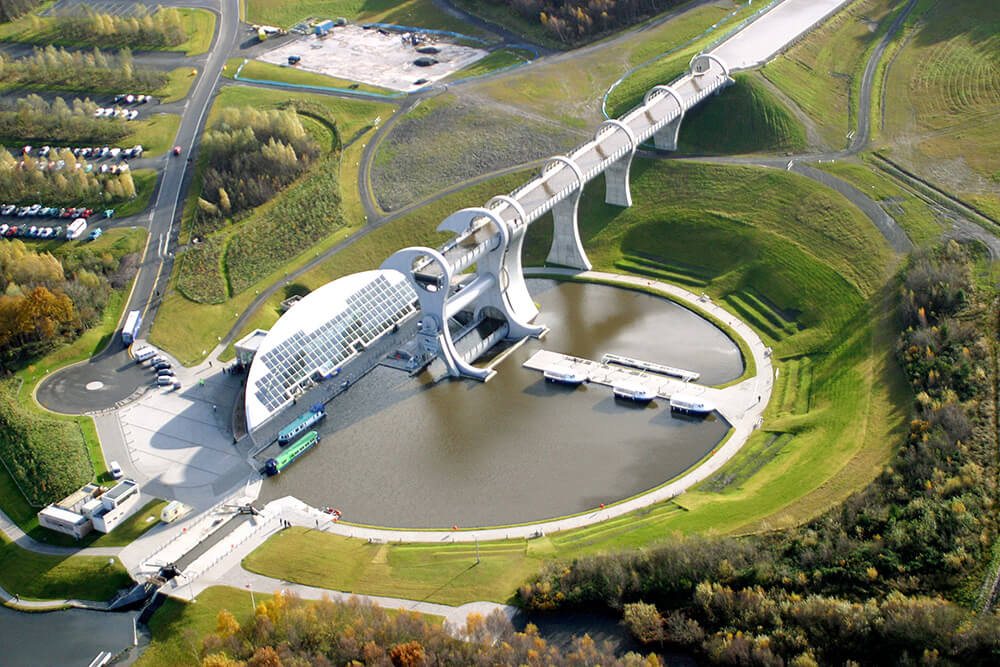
[3,229]
[164,380]
[95,234]
[116,470]
[165,371]
[163,365]
[11,231]
[43,151]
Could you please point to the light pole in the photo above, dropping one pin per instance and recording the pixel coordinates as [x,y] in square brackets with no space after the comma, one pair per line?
[253,605]
[477,549]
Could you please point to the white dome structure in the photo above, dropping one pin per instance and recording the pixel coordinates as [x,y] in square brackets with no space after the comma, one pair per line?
[320,333]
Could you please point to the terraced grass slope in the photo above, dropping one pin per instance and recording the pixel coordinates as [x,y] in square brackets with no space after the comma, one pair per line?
[822,73]
[941,101]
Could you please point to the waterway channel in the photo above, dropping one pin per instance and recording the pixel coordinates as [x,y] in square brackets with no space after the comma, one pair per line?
[409,453]
[69,637]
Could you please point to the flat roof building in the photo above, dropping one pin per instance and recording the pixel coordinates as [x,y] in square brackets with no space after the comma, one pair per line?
[321,332]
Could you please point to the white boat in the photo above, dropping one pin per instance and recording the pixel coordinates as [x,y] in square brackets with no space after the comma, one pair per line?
[633,391]
[690,404]
[565,376]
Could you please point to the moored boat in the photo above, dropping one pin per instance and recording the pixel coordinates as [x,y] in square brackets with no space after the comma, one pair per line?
[565,376]
[690,404]
[633,391]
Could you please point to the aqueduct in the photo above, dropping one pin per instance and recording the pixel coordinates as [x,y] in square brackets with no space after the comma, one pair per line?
[491,237]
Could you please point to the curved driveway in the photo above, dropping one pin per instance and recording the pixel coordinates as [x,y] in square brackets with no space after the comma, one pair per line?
[117,376]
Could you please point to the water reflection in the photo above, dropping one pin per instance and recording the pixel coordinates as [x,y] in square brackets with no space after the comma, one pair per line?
[404,452]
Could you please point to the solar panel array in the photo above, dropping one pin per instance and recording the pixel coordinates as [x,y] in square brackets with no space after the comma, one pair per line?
[370,312]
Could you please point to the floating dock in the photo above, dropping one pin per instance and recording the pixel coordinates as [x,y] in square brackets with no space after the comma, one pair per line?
[649,367]
[612,375]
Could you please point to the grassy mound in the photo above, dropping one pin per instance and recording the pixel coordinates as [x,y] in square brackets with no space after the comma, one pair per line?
[47,457]
[745,118]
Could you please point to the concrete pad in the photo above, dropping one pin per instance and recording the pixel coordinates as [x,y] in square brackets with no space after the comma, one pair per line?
[774,31]
[369,56]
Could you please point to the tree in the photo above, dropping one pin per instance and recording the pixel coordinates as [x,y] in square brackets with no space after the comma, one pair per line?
[644,622]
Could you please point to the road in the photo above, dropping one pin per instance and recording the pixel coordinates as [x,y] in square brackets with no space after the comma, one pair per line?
[112,376]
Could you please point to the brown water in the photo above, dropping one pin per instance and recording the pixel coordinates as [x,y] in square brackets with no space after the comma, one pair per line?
[406,453]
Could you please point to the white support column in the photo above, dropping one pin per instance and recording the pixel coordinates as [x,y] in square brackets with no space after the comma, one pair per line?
[617,188]
[567,248]
[665,138]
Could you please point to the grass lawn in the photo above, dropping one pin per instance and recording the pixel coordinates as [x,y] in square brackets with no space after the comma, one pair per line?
[145,181]
[145,518]
[177,86]
[156,134]
[941,98]
[446,141]
[823,71]
[911,212]
[255,69]
[42,577]
[497,60]
[573,94]
[189,330]
[836,413]
[417,13]
[198,23]
[414,571]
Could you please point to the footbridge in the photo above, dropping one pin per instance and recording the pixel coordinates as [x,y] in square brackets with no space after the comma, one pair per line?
[490,238]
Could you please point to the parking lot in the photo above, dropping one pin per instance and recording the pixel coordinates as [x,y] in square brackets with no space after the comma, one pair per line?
[373,56]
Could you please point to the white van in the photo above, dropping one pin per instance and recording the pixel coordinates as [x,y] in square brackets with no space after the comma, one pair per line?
[142,353]
[116,470]
[76,229]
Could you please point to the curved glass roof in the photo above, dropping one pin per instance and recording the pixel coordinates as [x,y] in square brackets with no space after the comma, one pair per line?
[320,333]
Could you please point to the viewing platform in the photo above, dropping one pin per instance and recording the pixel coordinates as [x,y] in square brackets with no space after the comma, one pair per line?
[650,367]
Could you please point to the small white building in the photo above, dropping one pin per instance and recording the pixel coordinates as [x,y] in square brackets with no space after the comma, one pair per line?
[247,346]
[117,504]
[92,507]
[65,521]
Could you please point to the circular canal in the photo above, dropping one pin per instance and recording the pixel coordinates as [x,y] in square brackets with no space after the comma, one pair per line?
[405,452]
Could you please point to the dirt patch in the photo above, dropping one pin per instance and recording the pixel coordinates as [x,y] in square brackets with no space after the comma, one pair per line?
[374,56]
